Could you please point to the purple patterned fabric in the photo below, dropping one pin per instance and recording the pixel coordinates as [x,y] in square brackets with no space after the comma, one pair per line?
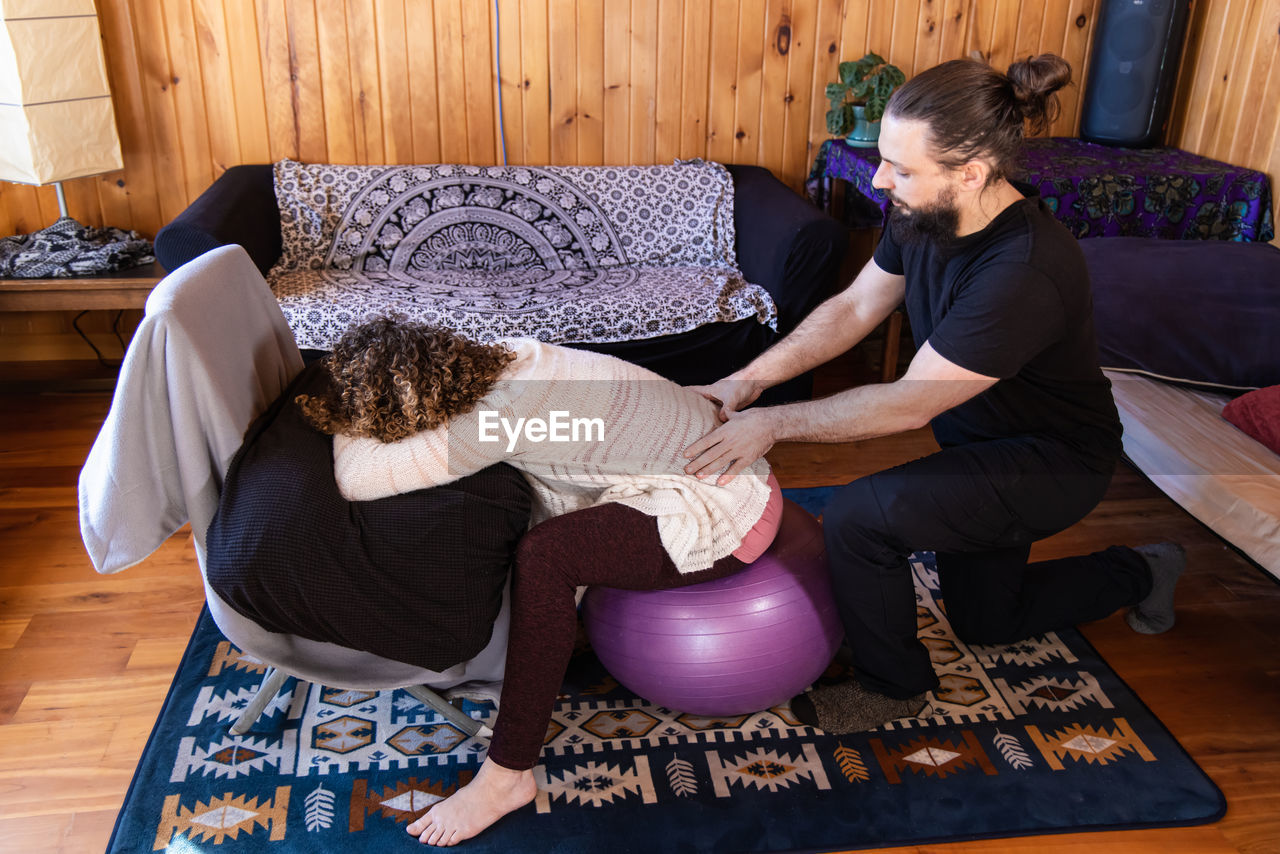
[1099,191]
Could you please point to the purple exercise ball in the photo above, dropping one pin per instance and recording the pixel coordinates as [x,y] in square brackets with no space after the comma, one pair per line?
[731,646]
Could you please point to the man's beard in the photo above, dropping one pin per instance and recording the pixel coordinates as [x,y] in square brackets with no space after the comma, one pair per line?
[939,221]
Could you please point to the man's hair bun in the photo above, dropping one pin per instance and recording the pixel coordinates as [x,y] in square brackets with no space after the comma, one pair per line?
[1035,79]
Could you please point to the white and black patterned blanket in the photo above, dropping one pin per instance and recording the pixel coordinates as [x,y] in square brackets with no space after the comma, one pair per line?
[562,254]
[68,248]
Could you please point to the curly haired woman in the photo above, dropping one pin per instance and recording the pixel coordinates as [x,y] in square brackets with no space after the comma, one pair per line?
[601,442]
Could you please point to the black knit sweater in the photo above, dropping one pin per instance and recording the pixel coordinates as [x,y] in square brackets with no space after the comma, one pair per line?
[416,577]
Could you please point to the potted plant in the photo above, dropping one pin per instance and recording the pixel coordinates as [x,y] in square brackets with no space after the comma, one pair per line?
[859,98]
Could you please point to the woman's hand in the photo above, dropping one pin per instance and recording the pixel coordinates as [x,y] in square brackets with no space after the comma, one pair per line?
[742,439]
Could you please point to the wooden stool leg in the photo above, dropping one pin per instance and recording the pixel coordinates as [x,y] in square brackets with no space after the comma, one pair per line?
[889,358]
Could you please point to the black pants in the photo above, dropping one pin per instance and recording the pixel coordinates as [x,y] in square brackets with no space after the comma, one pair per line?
[979,507]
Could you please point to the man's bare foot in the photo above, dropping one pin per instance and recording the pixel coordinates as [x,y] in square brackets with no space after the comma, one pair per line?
[493,793]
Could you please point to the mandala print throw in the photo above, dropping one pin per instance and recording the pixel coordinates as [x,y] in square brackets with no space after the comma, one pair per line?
[1033,737]
[562,254]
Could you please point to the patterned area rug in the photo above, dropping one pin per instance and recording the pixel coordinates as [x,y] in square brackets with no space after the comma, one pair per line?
[1035,737]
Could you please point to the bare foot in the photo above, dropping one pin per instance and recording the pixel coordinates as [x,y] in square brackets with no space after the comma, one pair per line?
[493,793]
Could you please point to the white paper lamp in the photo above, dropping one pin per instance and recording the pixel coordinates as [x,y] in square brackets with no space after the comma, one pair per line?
[56,121]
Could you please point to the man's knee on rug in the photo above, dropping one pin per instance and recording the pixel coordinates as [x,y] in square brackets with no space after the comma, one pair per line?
[984,627]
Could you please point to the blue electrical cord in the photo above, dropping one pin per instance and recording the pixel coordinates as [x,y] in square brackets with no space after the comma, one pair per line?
[497,65]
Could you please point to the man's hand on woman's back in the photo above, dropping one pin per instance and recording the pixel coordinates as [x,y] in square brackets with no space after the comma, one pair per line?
[730,395]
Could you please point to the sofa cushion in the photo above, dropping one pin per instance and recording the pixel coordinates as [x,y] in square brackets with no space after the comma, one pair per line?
[1258,415]
[416,577]
[405,220]
[596,306]
[1196,311]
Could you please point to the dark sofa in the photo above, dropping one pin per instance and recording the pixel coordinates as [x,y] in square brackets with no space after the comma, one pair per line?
[784,244]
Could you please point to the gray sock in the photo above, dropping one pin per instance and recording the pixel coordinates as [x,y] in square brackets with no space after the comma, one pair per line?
[849,707]
[1154,614]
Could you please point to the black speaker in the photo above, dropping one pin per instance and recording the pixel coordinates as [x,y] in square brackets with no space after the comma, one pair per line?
[1133,71]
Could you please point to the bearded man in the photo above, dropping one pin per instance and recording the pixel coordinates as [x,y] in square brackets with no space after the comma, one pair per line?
[1006,373]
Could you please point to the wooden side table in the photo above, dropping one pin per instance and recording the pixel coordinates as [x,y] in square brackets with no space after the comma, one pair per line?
[126,289]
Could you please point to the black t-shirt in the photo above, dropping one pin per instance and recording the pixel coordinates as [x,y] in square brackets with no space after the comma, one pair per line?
[1012,301]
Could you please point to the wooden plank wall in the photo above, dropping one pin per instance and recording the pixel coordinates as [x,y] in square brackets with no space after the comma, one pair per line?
[200,85]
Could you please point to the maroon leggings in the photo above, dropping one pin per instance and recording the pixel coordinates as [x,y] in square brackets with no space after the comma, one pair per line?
[609,545]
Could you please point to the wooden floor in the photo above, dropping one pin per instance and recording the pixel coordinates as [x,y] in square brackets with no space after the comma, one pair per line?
[85,661]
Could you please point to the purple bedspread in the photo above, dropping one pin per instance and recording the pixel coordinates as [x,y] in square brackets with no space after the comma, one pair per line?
[1099,191]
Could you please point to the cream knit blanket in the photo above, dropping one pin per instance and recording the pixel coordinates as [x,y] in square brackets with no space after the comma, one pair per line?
[584,429]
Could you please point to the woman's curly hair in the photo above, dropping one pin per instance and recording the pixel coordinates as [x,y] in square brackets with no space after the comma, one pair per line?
[390,378]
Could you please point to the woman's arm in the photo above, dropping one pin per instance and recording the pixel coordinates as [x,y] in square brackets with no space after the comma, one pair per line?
[367,469]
